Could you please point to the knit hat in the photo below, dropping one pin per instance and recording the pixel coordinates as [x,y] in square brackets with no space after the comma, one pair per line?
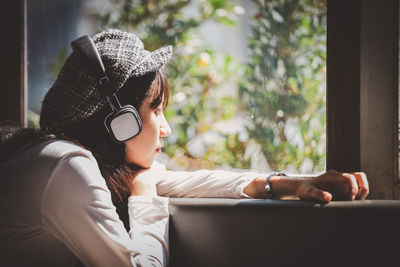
[76,94]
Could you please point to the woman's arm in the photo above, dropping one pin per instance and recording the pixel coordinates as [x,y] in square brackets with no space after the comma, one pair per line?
[203,183]
[324,187]
[77,209]
[216,183]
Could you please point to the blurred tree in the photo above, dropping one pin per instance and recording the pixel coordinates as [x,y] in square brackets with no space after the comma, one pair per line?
[160,22]
[196,75]
[284,91]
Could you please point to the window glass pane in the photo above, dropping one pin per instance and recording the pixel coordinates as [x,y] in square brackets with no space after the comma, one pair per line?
[247,79]
[52,24]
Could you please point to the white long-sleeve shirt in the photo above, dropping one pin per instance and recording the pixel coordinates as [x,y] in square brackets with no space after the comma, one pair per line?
[56,210]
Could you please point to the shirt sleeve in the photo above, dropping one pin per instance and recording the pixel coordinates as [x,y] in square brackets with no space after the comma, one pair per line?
[204,183]
[78,210]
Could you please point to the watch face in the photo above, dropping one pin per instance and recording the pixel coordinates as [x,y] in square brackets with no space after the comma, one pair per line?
[123,124]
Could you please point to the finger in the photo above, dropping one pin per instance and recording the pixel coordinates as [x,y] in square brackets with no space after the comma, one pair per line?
[352,185]
[363,186]
[326,196]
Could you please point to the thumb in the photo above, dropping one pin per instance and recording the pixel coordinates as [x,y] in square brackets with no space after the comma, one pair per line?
[319,195]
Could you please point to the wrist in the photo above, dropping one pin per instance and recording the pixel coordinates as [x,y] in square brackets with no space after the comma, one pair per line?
[281,186]
[268,183]
[255,189]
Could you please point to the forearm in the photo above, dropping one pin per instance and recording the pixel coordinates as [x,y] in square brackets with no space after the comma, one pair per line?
[204,183]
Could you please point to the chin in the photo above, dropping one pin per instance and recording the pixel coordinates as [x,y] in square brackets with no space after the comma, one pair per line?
[142,164]
[147,164]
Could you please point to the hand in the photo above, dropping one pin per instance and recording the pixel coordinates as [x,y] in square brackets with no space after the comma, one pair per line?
[334,185]
[145,180]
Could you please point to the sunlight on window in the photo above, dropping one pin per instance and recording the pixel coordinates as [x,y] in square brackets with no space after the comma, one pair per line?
[247,78]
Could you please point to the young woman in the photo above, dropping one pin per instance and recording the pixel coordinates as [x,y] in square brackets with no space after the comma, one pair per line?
[81,191]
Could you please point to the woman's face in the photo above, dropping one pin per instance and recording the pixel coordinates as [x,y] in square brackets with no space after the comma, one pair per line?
[142,149]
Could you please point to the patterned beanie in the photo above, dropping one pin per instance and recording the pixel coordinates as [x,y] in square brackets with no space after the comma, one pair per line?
[76,94]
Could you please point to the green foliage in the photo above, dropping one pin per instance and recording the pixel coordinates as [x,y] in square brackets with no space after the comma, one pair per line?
[196,74]
[160,22]
[33,119]
[284,89]
[281,89]
[58,61]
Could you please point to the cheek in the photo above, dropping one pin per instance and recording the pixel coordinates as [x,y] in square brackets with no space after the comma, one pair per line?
[149,134]
[140,149]
[150,129]
[136,152]
[130,150]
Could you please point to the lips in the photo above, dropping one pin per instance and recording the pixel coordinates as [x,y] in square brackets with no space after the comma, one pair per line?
[158,149]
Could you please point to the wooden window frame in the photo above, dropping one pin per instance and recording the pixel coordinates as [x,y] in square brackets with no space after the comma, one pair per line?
[362,91]
[13,100]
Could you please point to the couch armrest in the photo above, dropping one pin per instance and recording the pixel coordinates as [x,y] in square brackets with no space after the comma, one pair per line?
[230,232]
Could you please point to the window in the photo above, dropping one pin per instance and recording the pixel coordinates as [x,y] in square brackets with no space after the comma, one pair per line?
[358,133]
[52,25]
[247,80]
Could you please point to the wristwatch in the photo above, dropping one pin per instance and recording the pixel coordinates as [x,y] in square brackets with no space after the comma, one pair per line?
[268,187]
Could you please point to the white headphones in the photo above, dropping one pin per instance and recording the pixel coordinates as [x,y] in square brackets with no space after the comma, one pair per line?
[123,123]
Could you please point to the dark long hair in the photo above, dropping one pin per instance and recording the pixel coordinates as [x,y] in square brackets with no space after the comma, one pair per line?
[92,135]
[14,140]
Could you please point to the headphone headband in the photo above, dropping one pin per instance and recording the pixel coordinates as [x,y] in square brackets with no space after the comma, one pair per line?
[86,47]
[123,123]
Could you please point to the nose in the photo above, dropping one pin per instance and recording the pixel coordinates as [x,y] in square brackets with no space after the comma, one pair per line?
[165,129]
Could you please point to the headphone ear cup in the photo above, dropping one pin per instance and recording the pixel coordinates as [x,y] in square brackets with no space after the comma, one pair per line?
[123,124]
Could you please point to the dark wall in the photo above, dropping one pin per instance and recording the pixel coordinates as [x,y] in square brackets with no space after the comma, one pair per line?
[11,44]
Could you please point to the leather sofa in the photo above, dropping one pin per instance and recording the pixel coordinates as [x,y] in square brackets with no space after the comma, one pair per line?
[230,232]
